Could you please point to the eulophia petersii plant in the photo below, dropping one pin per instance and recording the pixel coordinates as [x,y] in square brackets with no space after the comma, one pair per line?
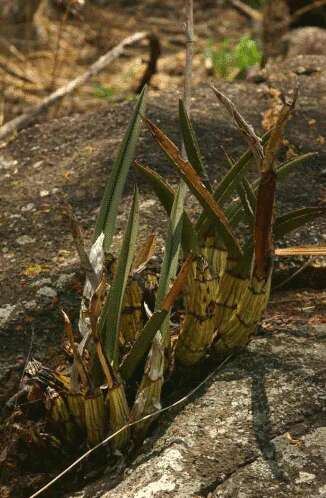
[223,281]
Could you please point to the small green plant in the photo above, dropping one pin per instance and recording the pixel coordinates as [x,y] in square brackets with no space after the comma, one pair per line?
[231,62]
[246,54]
[102,92]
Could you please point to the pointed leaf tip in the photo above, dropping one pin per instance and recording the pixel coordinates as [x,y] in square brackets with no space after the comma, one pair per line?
[106,220]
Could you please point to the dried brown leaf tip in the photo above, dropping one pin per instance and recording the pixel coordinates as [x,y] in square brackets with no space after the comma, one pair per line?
[197,186]
[145,253]
[247,130]
[276,137]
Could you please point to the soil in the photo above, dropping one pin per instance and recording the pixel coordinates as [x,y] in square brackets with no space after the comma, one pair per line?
[68,45]
[71,156]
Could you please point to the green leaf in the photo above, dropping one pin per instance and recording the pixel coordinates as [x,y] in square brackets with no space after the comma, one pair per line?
[286,168]
[171,256]
[142,344]
[248,208]
[247,53]
[234,212]
[295,219]
[166,195]
[106,219]
[191,145]
[110,317]
[247,198]
[172,248]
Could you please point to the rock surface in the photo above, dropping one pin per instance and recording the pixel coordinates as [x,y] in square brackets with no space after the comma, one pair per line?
[234,436]
[257,431]
[308,40]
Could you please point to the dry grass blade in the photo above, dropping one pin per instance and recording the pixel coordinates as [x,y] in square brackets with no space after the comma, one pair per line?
[77,358]
[79,243]
[198,188]
[301,251]
[296,273]
[105,441]
[178,284]
[245,128]
[145,254]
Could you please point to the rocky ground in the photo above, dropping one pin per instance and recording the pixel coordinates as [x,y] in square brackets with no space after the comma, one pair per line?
[71,157]
[258,428]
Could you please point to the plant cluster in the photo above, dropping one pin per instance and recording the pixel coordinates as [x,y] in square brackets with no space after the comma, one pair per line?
[217,281]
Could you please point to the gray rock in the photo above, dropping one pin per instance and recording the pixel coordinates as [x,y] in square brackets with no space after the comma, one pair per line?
[258,431]
[24,239]
[29,207]
[64,280]
[5,312]
[41,282]
[307,40]
[47,292]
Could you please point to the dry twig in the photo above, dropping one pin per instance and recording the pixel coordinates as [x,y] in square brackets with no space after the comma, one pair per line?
[24,119]
[151,68]
[247,10]
[307,8]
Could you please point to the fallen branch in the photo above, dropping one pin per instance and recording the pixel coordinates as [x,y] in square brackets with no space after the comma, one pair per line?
[307,8]
[301,251]
[24,119]
[258,16]
[151,68]
[247,10]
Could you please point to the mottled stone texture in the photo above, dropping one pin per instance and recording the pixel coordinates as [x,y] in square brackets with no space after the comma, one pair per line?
[257,431]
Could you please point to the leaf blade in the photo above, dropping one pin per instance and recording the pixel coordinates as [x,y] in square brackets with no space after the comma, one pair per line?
[106,219]
[195,184]
[110,317]
[296,219]
[191,145]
